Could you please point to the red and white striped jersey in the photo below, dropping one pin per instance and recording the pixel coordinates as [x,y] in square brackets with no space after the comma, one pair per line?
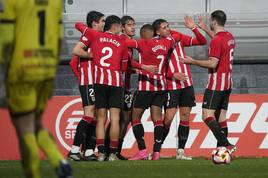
[221,47]
[175,65]
[110,56]
[153,52]
[81,67]
[83,70]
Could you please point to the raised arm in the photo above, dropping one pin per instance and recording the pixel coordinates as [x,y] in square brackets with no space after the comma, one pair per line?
[81,27]
[202,24]
[199,38]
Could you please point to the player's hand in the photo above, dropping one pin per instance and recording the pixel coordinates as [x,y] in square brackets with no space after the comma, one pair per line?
[150,68]
[186,60]
[180,76]
[90,55]
[189,22]
[202,23]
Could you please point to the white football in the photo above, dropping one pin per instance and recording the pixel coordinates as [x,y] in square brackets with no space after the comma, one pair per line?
[221,156]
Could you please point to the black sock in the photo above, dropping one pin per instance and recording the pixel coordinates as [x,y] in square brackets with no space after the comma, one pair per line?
[107,145]
[183,133]
[158,135]
[80,134]
[165,133]
[216,130]
[92,137]
[138,131]
[120,144]
[224,129]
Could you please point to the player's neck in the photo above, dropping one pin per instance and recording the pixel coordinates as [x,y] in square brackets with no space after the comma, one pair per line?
[111,32]
[219,29]
[130,37]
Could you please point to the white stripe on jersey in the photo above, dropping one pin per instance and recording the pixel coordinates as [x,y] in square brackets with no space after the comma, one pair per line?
[174,86]
[82,77]
[89,72]
[147,83]
[184,66]
[162,82]
[214,81]
[96,70]
[178,65]
[222,81]
[117,78]
[155,83]
[101,76]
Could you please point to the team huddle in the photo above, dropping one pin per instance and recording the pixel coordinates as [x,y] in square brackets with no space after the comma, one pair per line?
[103,63]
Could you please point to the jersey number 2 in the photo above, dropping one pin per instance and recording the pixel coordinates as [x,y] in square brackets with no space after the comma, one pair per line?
[42,24]
[107,56]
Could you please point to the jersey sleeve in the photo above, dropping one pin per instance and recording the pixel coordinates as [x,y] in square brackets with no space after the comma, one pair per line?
[81,27]
[74,65]
[199,38]
[215,48]
[135,64]
[125,58]
[176,35]
[131,43]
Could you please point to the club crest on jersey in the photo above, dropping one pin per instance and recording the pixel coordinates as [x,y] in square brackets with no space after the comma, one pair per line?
[109,40]
[159,47]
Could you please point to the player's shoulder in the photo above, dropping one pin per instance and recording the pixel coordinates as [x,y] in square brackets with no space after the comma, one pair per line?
[123,36]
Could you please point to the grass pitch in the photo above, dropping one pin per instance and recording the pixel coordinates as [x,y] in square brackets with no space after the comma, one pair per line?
[164,168]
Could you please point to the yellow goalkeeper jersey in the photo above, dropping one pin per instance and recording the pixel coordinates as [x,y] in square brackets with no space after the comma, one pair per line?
[37,31]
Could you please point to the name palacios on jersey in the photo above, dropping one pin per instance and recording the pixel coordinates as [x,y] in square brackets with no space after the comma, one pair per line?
[110,40]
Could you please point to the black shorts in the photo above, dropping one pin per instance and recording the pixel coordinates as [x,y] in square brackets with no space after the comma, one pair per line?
[128,100]
[146,99]
[108,96]
[87,95]
[183,98]
[216,100]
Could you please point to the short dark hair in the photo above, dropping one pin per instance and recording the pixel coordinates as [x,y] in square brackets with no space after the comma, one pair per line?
[125,19]
[219,16]
[157,23]
[146,27]
[93,16]
[110,20]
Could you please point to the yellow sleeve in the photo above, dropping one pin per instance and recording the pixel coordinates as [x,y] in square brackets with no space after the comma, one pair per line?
[7,23]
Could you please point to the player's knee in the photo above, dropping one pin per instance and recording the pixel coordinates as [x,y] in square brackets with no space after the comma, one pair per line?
[184,116]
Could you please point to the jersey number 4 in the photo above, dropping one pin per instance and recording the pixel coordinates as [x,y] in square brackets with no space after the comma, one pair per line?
[42,23]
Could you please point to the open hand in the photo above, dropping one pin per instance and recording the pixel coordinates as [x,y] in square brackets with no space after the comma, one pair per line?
[186,60]
[150,68]
[189,22]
